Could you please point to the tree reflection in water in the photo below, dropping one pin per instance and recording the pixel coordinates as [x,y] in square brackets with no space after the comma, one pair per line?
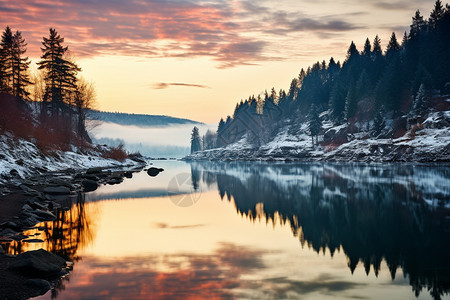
[370,212]
[71,231]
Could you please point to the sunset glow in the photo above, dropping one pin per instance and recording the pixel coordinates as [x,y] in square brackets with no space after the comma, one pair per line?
[196,59]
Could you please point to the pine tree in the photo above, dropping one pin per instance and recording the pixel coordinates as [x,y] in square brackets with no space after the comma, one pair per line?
[421,101]
[3,68]
[393,46]
[367,46]
[315,124]
[404,40]
[221,126]
[417,24]
[377,46]
[60,73]
[350,103]
[293,89]
[437,13]
[378,123]
[21,78]
[352,51]
[196,144]
[7,55]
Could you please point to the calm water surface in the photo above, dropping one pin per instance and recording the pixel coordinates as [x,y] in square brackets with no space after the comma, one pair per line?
[259,231]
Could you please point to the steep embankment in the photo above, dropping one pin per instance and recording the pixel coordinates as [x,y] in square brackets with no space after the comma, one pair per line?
[429,142]
[20,159]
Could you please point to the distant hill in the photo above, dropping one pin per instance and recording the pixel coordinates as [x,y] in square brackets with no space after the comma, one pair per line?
[138,119]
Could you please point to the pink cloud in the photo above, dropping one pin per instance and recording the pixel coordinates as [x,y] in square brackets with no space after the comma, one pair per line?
[154,28]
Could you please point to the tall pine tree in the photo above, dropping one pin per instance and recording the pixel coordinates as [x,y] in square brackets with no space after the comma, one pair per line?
[60,73]
[7,55]
[196,143]
[21,77]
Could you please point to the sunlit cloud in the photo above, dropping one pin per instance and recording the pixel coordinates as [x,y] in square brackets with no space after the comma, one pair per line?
[165,85]
[168,226]
[229,32]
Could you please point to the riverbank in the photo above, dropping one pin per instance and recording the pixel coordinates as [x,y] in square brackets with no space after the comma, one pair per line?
[29,201]
[428,144]
[36,186]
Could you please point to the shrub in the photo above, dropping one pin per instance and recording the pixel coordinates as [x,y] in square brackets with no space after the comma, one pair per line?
[116,153]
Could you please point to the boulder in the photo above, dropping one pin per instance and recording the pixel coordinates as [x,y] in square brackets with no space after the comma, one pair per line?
[154,171]
[38,262]
[95,170]
[40,284]
[60,182]
[57,190]
[44,215]
[86,176]
[89,185]
[115,180]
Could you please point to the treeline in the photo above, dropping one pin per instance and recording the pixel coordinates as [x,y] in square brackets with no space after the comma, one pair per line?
[138,119]
[360,92]
[60,97]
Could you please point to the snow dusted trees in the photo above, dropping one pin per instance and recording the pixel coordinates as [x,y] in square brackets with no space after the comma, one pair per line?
[315,124]
[209,140]
[196,143]
[378,123]
[355,92]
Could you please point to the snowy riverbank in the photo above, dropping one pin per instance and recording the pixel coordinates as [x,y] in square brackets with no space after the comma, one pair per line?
[429,143]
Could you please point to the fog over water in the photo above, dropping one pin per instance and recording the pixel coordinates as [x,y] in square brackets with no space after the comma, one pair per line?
[173,140]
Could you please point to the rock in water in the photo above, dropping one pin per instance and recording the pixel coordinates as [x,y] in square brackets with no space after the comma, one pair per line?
[154,171]
[57,190]
[38,262]
[89,185]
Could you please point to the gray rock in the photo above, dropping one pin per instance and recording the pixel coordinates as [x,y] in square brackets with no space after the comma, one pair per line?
[38,262]
[36,205]
[89,185]
[32,241]
[19,237]
[152,171]
[42,285]
[26,207]
[12,225]
[44,215]
[60,182]
[30,221]
[96,170]
[57,190]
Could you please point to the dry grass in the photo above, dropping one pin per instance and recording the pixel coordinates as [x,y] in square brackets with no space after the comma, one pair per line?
[116,153]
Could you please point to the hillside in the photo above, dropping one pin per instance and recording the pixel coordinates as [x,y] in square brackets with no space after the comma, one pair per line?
[391,105]
[31,144]
[140,120]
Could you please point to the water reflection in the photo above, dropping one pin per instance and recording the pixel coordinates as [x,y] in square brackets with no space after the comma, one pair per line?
[396,213]
[70,232]
[389,217]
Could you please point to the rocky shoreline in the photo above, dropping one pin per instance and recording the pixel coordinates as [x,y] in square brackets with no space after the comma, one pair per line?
[26,203]
[369,152]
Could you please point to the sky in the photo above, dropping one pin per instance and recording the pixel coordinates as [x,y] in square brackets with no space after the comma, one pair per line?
[196,59]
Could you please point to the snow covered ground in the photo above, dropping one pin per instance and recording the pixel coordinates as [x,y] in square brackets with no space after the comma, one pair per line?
[429,143]
[20,158]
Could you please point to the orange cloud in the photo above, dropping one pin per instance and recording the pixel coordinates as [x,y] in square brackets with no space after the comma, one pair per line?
[230,32]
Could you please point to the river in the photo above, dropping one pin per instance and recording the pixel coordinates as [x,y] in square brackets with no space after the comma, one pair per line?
[205,230]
